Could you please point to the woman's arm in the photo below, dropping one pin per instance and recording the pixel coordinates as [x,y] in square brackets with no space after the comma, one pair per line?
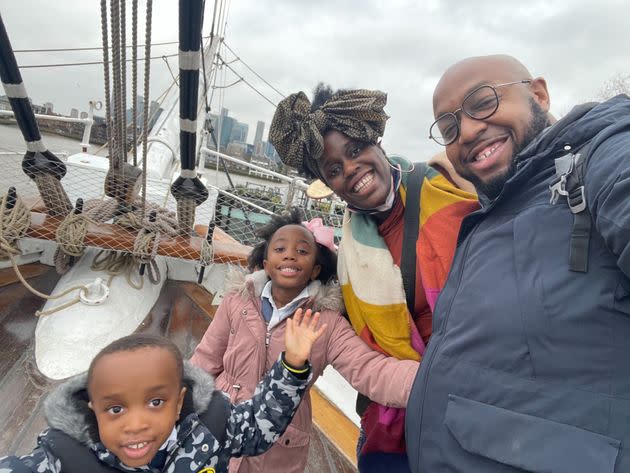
[385,380]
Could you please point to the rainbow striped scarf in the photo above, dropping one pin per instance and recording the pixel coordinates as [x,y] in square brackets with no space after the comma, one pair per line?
[372,284]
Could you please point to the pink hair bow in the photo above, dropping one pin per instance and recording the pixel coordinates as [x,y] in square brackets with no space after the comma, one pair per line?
[324,235]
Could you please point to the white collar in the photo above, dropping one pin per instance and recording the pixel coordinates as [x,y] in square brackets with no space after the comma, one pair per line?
[285,311]
[266,292]
[170,441]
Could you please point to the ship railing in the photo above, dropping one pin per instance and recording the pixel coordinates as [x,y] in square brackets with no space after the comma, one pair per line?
[88,122]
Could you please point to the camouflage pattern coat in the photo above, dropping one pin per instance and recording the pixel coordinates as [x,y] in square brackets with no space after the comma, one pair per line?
[251,429]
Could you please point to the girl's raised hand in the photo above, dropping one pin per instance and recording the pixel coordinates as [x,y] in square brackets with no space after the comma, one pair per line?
[300,336]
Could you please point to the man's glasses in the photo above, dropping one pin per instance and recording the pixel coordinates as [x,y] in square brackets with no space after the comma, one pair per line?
[480,104]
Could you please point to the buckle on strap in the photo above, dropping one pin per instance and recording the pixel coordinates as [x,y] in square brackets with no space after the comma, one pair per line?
[576,198]
[564,167]
[558,187]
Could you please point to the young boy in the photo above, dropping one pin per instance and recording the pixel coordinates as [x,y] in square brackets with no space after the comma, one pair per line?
[139,408]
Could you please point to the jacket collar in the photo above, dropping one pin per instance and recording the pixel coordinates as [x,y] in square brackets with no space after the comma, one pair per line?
[321,296]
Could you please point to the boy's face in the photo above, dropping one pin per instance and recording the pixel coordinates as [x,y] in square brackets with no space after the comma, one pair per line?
[136,396]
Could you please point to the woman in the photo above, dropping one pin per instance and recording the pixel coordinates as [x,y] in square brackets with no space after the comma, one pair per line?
[337,139]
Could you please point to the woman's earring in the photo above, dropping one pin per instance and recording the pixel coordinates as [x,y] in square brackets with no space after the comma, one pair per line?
[399,168]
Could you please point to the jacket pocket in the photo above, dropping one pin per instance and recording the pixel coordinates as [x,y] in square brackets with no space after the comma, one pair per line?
[531,443]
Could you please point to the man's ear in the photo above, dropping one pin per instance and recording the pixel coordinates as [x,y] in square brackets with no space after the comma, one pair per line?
[538,86]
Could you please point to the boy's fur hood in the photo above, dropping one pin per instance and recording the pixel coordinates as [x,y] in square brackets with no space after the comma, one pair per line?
[323,296]
[66,407]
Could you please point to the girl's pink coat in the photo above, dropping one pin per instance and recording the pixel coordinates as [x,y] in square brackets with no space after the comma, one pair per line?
[233,350]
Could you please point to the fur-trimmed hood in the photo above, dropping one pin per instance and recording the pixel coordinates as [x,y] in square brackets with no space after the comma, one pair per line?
[66,408]
[322,296]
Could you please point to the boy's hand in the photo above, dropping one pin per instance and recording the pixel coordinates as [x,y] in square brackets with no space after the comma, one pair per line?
[300,336]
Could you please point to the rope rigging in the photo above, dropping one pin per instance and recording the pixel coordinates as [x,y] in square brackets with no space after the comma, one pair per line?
[148,221]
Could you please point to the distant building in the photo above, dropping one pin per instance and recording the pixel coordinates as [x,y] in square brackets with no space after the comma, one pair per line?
[239,131]
[39,109]
[259,148]
[154,112]
[271,152]
[260,129]
[74,113]
[83,115]
[237,149]
[48,108]
[224,127]
[4,103]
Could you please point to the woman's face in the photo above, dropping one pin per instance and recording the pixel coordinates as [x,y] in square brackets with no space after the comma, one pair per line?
[357,172]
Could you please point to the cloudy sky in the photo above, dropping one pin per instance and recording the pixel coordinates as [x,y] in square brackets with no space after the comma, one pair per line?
[400,47]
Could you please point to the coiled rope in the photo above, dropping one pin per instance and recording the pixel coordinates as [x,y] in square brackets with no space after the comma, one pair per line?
[13,226]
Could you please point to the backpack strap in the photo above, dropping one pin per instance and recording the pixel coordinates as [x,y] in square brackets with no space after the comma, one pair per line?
[569,182]
[410,232]
[73,455]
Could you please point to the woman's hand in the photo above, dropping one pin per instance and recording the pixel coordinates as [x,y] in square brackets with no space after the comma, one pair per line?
[300,336]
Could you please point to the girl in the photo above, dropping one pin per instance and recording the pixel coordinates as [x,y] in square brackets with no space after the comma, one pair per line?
[296,265]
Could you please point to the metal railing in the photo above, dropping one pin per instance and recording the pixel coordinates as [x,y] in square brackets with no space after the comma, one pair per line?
[88,122]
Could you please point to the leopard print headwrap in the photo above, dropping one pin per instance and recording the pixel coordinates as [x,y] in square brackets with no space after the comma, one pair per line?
[296,132]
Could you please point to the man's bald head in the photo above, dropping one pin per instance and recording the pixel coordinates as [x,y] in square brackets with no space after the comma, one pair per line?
[500,67]
[488,108]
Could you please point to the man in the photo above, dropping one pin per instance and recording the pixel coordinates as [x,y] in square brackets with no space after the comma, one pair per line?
[528,368]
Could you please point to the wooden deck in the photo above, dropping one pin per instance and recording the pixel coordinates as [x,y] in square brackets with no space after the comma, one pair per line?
[182,313]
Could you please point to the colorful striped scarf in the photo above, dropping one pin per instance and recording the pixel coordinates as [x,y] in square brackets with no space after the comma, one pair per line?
[372,284]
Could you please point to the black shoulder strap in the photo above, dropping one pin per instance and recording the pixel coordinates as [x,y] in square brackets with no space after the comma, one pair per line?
[216,416]
[410,232]
[73,455]
[408,256]
[569,182]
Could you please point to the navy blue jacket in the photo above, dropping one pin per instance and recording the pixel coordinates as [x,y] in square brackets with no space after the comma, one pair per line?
[528,367]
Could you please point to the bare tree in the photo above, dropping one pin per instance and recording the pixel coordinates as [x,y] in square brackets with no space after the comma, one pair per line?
[618,84]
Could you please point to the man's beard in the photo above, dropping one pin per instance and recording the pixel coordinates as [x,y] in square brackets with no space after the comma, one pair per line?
[493,187]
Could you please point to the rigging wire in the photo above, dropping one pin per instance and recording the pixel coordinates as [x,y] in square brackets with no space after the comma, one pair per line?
[246,82]
[53,50]
[238,58]
[238,81]
[170,70]
[88,63]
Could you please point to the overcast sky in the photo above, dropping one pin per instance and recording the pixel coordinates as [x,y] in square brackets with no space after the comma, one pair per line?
[400,47]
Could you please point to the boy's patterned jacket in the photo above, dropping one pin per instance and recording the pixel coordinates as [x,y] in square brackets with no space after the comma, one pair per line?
[252,427]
